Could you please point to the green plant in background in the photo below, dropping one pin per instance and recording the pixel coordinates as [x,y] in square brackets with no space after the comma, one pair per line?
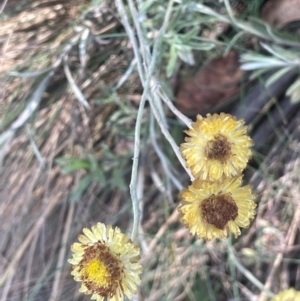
[279,59]
[93,172]
[182,46]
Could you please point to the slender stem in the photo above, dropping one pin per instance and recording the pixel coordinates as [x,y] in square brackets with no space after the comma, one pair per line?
[246,272]
[233,274]
[136,152]
[268,34]
[145,51]
[187,121]
[165,162]
[131,36]
[146,95]
[170,139]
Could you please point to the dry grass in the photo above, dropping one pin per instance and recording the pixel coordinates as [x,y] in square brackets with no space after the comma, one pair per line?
[38,222]
[44,201]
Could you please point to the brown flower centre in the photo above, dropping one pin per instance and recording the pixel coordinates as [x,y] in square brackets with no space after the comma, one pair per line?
[101,270]
[218,149]
[219,209]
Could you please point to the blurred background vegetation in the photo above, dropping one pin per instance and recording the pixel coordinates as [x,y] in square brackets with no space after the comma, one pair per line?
[81,79]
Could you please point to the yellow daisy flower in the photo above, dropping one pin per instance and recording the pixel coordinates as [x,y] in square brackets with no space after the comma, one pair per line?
[218,146]
[214,209]
[106,262]
[287,295]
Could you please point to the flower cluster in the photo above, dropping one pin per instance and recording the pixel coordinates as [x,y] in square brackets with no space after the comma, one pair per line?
[105,261]
[216,204]
[217,151]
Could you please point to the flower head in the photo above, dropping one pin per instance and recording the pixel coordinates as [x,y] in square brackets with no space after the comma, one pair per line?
[214,209]
[106,262]
[218,147]
[287,295]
